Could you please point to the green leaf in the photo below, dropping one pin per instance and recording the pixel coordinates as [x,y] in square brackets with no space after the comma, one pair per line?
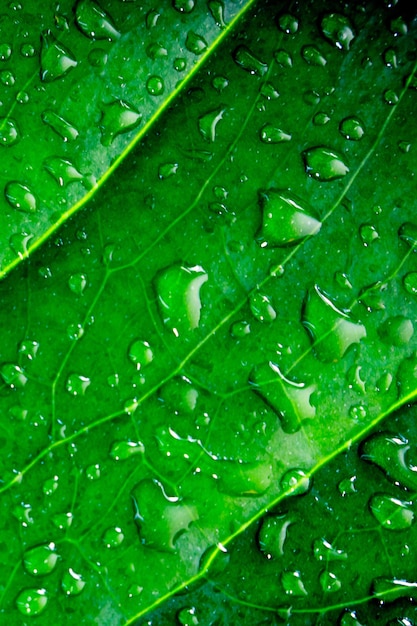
[231,312]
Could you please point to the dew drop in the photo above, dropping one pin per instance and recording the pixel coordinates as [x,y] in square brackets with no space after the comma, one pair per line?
[62,127]
[20,197]
[75,331]
[113,537]
[338,30]
[22,512]
[245,59]
[156,50]
[50,486]
[358,412]
[391,513]
[31,602]
[313,56]
[398,26]
[283,58]
[117,117]
[152,18]
[389,590]
[56,60]
[94,22]
[396,331]
[410,283]
[404,146]
[22,97]
[122,450]
[180,395]
[27,50]
[324,164]
[7,78]
[195,43]
[180,64]
[207,123]
[240,329]
[76,385]
[295,482]
[19,243]
[62,170]
[352,128]
[5,51]
[268,91]
[41,560]
[261,307]
[272,535]
[183,6]
[287,23]
[273,134]
[293,585]
[13,375]
[329,582]
[77,283]
[72,583]
[350,619]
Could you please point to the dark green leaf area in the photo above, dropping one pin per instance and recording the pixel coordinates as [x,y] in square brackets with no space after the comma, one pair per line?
[170,370]
[341,554]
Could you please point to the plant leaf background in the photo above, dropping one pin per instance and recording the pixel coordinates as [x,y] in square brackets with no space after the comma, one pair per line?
[175,368]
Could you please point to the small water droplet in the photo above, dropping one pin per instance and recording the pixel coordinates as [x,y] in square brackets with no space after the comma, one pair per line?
[166,170]
[62,170]
[287,23]
[5,51]
[338,29]
[41,560]
[216,8]
[152,18]
[391,513]
[358,412]
[113,537]
[77,283]
[347,486]
[22,97]
[72,583]
[273,134]
[50,486]
[188,617]
[13,375]
[352,128]
[324,164]
[390,97]
[261,307]
[313,56]
[183,6]
[404,146]
[122,450]
[98,57]
[240,329]
[77,385]
[293,585]
[20,197]
[56,60]
[390,57]
[329,582]
[396,330]
[94,22]
[7,78]
[286,219]
[272,535]
[180,64]
[155,86]
[195,43]
[391,453]
[368,234]
[9,133]
[93,472]
[31,602]
[140,353]
[22,512]
[410,282]
[156,50]
[61,126]
[180,395]
[117,117]
[320,119]
[269,91]
[28,349]
[398,26]
[207,123]
[324,551]
[295,482]
[27,50]
[283,58]
[248,61]
[62,521]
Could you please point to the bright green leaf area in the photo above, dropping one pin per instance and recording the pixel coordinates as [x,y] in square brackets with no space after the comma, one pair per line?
[188,364]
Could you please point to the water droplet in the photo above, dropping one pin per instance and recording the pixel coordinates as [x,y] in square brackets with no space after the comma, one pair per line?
[7,78]
[122,450]
[291,400]
[321,119]
[331,330]
[195,43]
[20,197]
[347,486]
[72,583]
[140,353]
[324,551]
[75,331]
[240,329]
[77,283]
[286,219]
[117,117]
[63,128]
[391,513]
[152,18]
[324,164]
[368,234]
[183,6]
[268,91]
[207,123]
[354,379]
[216,8]
[76,385]
[156,50]
[352,128]
[155,85]
[27,50]
[28,349]
[287,23]
[390,57]
[166,170]
[283,58]
[408,233]
[31,602]
[293,585]
[9,133]
[5,51]
[13,375]
[180,395]
[338,30]
[329,582]
[390,97]
[188,617]
[261,307]
[389,590]
[93,472]
[94,22]
[113,537]
[131,405]
[22,97]
[161,518]
[180,64]
[398,26]
[248,61]
[390,453]
[295,482]
[313,56]
[98,57]
[272,535]
[404,146]
[358,412]
[62,170]
[22,512]
[410,282]
[56,60]
[350,619]
[41,560]
[343,280]
[273,134]
[62,521]
[50,486]
[396,330]
[19,243]
[178,291]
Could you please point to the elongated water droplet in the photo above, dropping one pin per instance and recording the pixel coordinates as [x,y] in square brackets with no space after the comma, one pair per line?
[324,164]
[216,8]
[56,59]
[31,602]
[324,551]
[396,330]
[391,454]
[62,170]
[72,583]
[77,385]
[313,56]
[122,450]
[390,57]
[398,26]
[20,197]
[272,535]
[391,513]
[5,51]
[41,560]
[94,22]
[117,117]
[290,400]
[338,30]
[261,307]
[19,243]
[207,123]
[248,61]
[321,119]
[352,128]
[178,291]
[391,589]
[77,283]
[9,133]
[331,330]
[286,219]
[273,134]
[166,170]
[283,58]
[293,584]
[195,43]
[63,128]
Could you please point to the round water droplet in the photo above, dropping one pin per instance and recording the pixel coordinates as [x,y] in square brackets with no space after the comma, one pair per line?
[391,513]
[50,486]
[261,307]
[56,60]
[283,58]
[122,450]
[27,50]
[20,197]
[98,57]
[220,83]
[72,583]
[313,56]
[5,51]
[338,30]
[358,412]
[320,119]
[7,78]
[368,234]
[188,617]
[287,23]
[77,283]
[117,117]
[390,97]
[76,385]
[396,330]
[195,43]
[324,164]
[140,353]
[245,59]
[155,85]
[9,133]
[295,482]
[113,537]
[404,146]
[273,134]
[183,6]
[180,64]
[31,602]
[293,585]
[41,560]
[329,582]
[410,282]
[352,128]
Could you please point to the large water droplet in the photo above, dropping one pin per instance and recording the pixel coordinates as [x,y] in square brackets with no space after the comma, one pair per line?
[352,128]
[77,385]
[62,170]
[331,330]
[293,584]
[63,128]
[122,450]
[5,51]
[390,452]
[272,535]
[396,330]
[117,117]
[188,617]
[286,219]
[72,583]
[20,197]
[94,22]
[9,133]
[31,602]
[273,134]
[248,61]
[7,78]
[313,56]
[195,43]
[338,29]
[390,512]
[324,164]
[77,283]
[207,123]
[178,291]
[41,560]
[290,400]
[56,60]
